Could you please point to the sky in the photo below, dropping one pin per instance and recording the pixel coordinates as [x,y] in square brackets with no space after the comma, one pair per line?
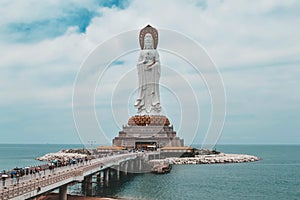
[254,44]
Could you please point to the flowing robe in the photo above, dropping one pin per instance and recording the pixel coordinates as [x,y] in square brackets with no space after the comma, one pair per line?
[148,100]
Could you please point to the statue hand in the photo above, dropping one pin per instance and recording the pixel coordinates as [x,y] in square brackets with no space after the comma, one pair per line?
[151,65]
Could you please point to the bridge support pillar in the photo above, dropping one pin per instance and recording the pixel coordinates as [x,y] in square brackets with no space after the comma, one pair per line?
[106,176]
[136,164]
[89,185]
[99,177]
[131,168]
[140,164]
[118,172]
[126,167]
[63,192]
[86,185]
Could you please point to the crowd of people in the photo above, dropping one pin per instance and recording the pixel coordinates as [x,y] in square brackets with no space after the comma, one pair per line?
[17,173]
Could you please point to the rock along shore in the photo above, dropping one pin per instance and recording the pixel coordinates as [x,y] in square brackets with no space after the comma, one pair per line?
[65,155]
[214,159]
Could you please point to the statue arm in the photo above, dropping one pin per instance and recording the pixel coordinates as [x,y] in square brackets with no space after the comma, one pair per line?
[157,61]
[141,78]
[141,59]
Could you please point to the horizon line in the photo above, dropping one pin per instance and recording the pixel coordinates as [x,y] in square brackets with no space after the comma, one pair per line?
[111,144]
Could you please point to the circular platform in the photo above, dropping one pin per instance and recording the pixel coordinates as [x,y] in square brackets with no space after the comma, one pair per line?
[150,120]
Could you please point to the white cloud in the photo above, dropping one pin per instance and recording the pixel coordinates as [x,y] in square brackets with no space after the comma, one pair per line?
[14,11]
[236,34]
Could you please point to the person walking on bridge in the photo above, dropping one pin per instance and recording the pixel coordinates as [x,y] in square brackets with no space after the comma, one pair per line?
[3,177]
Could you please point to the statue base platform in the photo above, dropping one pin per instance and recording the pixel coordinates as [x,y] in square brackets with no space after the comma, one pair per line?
[148,132]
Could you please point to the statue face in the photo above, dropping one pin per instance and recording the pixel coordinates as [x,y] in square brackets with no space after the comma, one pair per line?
[148,41]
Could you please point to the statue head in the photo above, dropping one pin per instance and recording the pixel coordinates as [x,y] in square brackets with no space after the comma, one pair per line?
[146,34]
[148,41]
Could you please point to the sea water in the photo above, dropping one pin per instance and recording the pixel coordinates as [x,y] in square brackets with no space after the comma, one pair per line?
[276,176]
[23,155]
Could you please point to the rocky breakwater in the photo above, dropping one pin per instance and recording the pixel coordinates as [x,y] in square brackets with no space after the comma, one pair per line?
[67,154]
[214,159]
[160,166]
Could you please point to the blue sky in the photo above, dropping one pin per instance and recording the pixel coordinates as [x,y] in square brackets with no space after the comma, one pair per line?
[255,45]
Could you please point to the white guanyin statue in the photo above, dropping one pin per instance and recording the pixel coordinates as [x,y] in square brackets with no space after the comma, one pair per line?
[148,99]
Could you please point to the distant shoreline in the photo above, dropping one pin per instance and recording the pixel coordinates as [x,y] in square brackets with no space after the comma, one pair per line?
[194,145]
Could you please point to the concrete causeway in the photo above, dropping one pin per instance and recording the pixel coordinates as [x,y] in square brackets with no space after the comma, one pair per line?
[31,187]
